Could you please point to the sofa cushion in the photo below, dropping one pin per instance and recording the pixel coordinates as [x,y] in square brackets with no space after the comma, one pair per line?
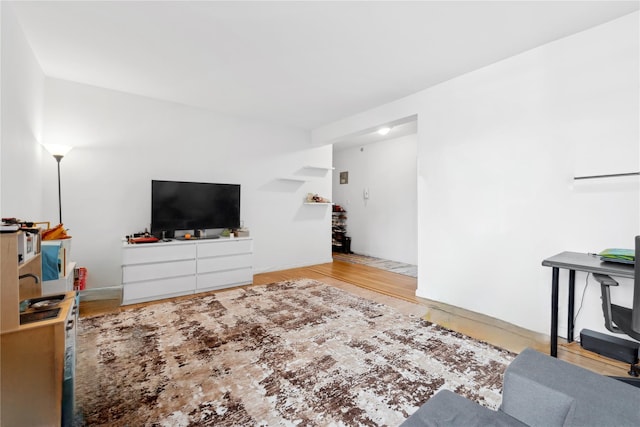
[446,408]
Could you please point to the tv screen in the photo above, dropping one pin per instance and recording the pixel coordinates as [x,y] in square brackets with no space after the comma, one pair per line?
[177,205]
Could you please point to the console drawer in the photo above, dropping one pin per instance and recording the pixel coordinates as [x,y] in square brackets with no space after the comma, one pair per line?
[140,254]
[224,247]
[141,272]
[155,289]
[233,262]
[224,279]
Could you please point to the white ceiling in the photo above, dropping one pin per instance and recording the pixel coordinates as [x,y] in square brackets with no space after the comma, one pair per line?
[302,64]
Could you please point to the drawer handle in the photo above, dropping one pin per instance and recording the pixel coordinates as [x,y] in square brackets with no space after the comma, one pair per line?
[69,325]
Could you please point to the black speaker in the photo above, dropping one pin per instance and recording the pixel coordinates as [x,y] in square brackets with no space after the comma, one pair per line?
[608,346]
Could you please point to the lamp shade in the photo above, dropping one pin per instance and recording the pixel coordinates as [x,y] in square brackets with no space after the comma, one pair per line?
[57,150]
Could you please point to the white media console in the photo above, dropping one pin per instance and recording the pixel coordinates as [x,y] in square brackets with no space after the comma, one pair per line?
[159,270]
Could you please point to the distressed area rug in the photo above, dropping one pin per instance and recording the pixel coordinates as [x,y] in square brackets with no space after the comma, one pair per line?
[284,354]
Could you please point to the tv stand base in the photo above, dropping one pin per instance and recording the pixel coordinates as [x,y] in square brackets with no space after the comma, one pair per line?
[182,267]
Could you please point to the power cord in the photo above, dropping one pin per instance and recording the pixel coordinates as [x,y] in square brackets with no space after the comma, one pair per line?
[584,292]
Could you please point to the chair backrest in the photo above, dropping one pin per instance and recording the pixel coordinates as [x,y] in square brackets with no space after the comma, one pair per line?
[635,315]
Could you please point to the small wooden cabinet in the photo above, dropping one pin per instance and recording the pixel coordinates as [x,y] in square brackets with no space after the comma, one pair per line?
[37,359]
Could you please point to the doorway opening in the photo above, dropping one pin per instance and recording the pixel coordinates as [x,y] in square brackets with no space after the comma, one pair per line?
[375,199]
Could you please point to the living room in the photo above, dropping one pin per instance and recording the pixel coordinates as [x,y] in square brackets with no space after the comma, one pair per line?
[498,147]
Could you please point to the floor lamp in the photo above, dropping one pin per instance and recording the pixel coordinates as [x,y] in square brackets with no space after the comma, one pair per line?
[58,152]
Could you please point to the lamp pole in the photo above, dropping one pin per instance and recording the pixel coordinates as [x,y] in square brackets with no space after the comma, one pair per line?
[58,152]
[58,157]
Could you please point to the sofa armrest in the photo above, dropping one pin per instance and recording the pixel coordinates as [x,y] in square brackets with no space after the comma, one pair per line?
[446,408]
[533,403]
[586,398]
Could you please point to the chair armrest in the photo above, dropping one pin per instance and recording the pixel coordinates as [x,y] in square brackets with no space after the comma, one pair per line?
[603,279]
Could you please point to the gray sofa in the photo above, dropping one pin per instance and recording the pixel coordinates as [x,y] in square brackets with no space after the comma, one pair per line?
[539,390]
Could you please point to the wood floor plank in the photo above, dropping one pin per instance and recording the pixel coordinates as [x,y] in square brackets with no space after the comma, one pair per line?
[388,283]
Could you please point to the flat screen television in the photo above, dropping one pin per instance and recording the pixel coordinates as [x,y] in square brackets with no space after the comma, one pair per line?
[177,205]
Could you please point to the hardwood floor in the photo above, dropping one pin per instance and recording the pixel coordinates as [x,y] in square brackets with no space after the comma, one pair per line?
[398,291]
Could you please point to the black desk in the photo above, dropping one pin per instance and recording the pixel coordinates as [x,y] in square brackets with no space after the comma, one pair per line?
[575,261]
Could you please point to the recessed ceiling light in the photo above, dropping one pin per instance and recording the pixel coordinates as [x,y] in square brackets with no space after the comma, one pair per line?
[384,130]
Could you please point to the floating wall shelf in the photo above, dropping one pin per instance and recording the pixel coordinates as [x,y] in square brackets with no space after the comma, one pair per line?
[320,167]
[293,179]
[613,175]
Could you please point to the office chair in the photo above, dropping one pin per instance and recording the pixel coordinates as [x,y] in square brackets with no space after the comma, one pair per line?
[618,319]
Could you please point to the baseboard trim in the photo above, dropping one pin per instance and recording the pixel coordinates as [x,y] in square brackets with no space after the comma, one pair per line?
[481,326]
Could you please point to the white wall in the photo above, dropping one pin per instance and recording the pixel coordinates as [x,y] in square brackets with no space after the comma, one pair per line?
[121,142]
[385,225]
[497,150]
[20,154]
